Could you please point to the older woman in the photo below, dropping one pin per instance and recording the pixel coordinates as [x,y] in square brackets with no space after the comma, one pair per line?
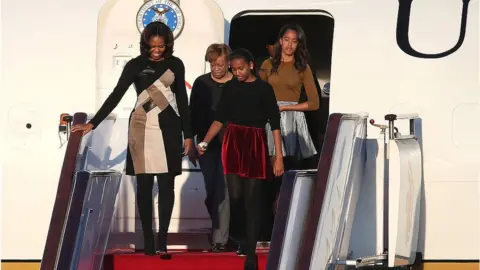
[206,92]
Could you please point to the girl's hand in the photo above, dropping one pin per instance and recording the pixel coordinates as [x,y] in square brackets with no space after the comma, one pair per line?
[200,150]
[278,166]
[202,147]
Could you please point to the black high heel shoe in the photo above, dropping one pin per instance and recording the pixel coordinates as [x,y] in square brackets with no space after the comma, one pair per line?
[251,264]
[164,255]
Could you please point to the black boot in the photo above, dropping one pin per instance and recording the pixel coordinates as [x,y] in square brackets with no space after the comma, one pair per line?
[241,251]
[149,243]
[166,198]
[145,210]
[251,263]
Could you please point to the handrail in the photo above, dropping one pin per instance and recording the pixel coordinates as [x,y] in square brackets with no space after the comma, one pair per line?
[278,235]
[408,116]
[323,172]
[90,222]
[284,216]
[64,189]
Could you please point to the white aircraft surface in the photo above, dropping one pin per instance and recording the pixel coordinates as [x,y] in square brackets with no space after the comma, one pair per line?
[418,59]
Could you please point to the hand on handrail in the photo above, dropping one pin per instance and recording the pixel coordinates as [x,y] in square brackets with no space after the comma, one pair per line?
[86,128]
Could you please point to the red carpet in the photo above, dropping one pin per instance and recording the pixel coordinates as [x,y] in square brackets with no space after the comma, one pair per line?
[181,261]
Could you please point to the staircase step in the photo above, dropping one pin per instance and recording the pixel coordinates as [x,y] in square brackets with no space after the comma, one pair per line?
[181,260]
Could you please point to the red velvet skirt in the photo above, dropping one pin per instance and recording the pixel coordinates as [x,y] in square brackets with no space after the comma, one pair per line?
[245,152]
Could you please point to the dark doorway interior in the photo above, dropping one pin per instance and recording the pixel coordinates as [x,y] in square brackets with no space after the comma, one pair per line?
[253,31]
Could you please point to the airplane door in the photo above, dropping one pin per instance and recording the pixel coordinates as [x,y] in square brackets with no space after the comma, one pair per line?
[200,23]
[118,42]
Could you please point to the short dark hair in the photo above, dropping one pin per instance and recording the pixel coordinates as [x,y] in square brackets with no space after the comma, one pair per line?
[156,29]
[241,53]
[216,50]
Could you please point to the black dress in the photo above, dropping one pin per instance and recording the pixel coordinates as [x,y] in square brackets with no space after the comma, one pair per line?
[161,113]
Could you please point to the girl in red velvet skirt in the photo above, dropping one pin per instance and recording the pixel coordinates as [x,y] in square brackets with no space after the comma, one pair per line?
[247,104]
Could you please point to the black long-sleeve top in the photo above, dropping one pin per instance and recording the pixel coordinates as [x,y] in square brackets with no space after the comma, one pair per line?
[206,94]
[248,104]
[131,74]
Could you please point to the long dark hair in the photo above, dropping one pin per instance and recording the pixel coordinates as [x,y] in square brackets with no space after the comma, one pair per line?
[156,29]
[301,52]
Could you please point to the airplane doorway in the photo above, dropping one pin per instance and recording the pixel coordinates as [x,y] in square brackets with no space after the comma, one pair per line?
[252,30]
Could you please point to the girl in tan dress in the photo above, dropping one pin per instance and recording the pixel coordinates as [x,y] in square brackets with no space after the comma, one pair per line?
[287,71]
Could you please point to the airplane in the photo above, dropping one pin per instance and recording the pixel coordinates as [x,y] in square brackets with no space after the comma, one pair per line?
[404,75]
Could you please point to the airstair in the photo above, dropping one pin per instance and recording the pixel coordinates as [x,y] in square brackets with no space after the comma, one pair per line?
[364,206]
[360,208]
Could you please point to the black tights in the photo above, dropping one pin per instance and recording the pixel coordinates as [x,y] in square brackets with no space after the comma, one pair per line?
[166,198]
[244,204]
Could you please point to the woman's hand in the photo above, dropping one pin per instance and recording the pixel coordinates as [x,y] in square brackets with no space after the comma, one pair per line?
[190,151]
[86,128]
[200,150]
[278,166]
